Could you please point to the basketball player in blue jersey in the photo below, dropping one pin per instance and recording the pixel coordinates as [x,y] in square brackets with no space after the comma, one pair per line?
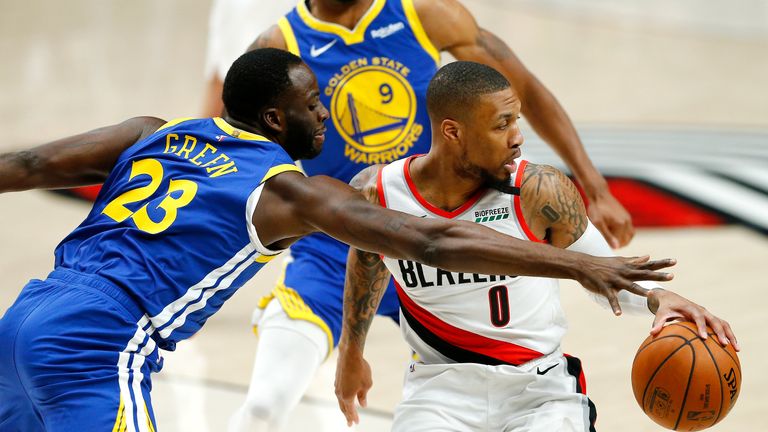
[189,211]
[489,347]
[374,60]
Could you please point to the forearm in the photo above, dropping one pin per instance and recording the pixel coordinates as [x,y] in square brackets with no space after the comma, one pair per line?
[367,279]
[451,245]
[39,168]
[552,124]
[78,160]
[469,247]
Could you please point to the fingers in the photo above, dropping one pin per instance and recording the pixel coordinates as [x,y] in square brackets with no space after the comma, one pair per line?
[732,337]
[661,319]
[613,300]
[658,264]
[649,275]
[602,226]
[717,327]
[622,230]
[658,324]
[347,407]
[637,289]
[701,324]
[626,232]
[362,397]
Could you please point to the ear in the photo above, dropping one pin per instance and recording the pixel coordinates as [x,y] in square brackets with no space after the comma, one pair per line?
[451,130]
[274,119]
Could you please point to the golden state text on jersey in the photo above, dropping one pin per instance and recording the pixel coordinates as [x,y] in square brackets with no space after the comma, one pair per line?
[172,224]
[373,79]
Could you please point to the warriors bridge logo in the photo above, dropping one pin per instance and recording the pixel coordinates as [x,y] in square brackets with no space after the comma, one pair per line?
[373,107]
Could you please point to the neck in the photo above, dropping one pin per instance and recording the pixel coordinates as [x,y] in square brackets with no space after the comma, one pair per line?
[442,181]
[252,128]
[344,14]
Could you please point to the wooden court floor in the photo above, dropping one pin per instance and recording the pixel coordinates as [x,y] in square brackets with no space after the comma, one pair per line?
[72,66]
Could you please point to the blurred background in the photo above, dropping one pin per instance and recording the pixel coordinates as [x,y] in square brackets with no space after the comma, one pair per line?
[670,98]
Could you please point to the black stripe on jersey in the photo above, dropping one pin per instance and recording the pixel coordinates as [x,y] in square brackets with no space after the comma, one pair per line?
[507,188]
[573,366]
[459,355]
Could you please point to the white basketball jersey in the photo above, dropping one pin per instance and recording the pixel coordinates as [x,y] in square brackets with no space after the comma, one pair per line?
[451,317]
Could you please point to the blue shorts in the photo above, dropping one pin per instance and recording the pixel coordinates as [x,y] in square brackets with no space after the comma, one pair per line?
[69,359]
[317,274]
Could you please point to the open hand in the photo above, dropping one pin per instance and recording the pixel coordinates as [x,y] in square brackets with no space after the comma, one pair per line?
[606,276]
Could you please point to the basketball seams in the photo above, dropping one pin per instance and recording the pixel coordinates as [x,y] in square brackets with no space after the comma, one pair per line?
[688,385]
[738,365]
[658,368]
[720,381]
[658,339]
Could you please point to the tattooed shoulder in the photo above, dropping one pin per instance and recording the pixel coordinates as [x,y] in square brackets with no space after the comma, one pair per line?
[550,199]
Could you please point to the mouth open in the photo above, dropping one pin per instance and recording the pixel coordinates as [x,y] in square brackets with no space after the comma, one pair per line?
[511,164]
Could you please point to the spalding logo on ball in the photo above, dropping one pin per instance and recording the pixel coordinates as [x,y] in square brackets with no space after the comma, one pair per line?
[683,382]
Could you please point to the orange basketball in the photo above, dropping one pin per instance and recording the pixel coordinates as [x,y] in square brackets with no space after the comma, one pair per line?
[683,382]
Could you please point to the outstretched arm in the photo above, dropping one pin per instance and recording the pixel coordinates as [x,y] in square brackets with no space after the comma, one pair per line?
[79,160]
[554,211]
[452,28]
[292,205]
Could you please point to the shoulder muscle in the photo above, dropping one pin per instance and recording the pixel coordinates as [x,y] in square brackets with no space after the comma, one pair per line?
[552,205]
[270,38]
[447,23]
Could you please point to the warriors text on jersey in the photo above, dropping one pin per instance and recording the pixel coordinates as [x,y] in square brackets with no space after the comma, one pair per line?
[196,182]
[376,101]
[464,317]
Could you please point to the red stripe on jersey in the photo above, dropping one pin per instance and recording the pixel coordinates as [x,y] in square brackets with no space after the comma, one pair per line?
[463,339]
[436,210]
[575,369]
[518,207]
[380,191]
[380,188]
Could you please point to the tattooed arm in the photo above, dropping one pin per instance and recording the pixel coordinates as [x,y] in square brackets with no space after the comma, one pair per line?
[367,279]
[450,27]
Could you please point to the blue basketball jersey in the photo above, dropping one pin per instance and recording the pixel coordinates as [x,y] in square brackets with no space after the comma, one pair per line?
[171,226]
[373,79]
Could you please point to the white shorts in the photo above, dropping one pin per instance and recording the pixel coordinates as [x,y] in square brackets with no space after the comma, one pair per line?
[543,395]
[232,27]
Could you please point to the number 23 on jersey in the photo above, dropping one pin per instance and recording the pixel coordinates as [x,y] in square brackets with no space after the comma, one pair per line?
[179,194]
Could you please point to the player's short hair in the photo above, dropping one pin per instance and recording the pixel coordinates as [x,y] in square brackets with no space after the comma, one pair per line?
[456,86]
[256,80]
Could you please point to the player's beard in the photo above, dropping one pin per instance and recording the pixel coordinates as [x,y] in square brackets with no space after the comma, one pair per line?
[502,185]
[300,142]
[487,178]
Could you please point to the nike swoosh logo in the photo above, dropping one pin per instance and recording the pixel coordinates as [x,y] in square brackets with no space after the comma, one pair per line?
[542,372]
[423,216]
[314,52]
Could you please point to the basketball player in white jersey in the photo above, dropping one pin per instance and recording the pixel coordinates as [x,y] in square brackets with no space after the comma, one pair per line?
[488,346]
[343,42]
